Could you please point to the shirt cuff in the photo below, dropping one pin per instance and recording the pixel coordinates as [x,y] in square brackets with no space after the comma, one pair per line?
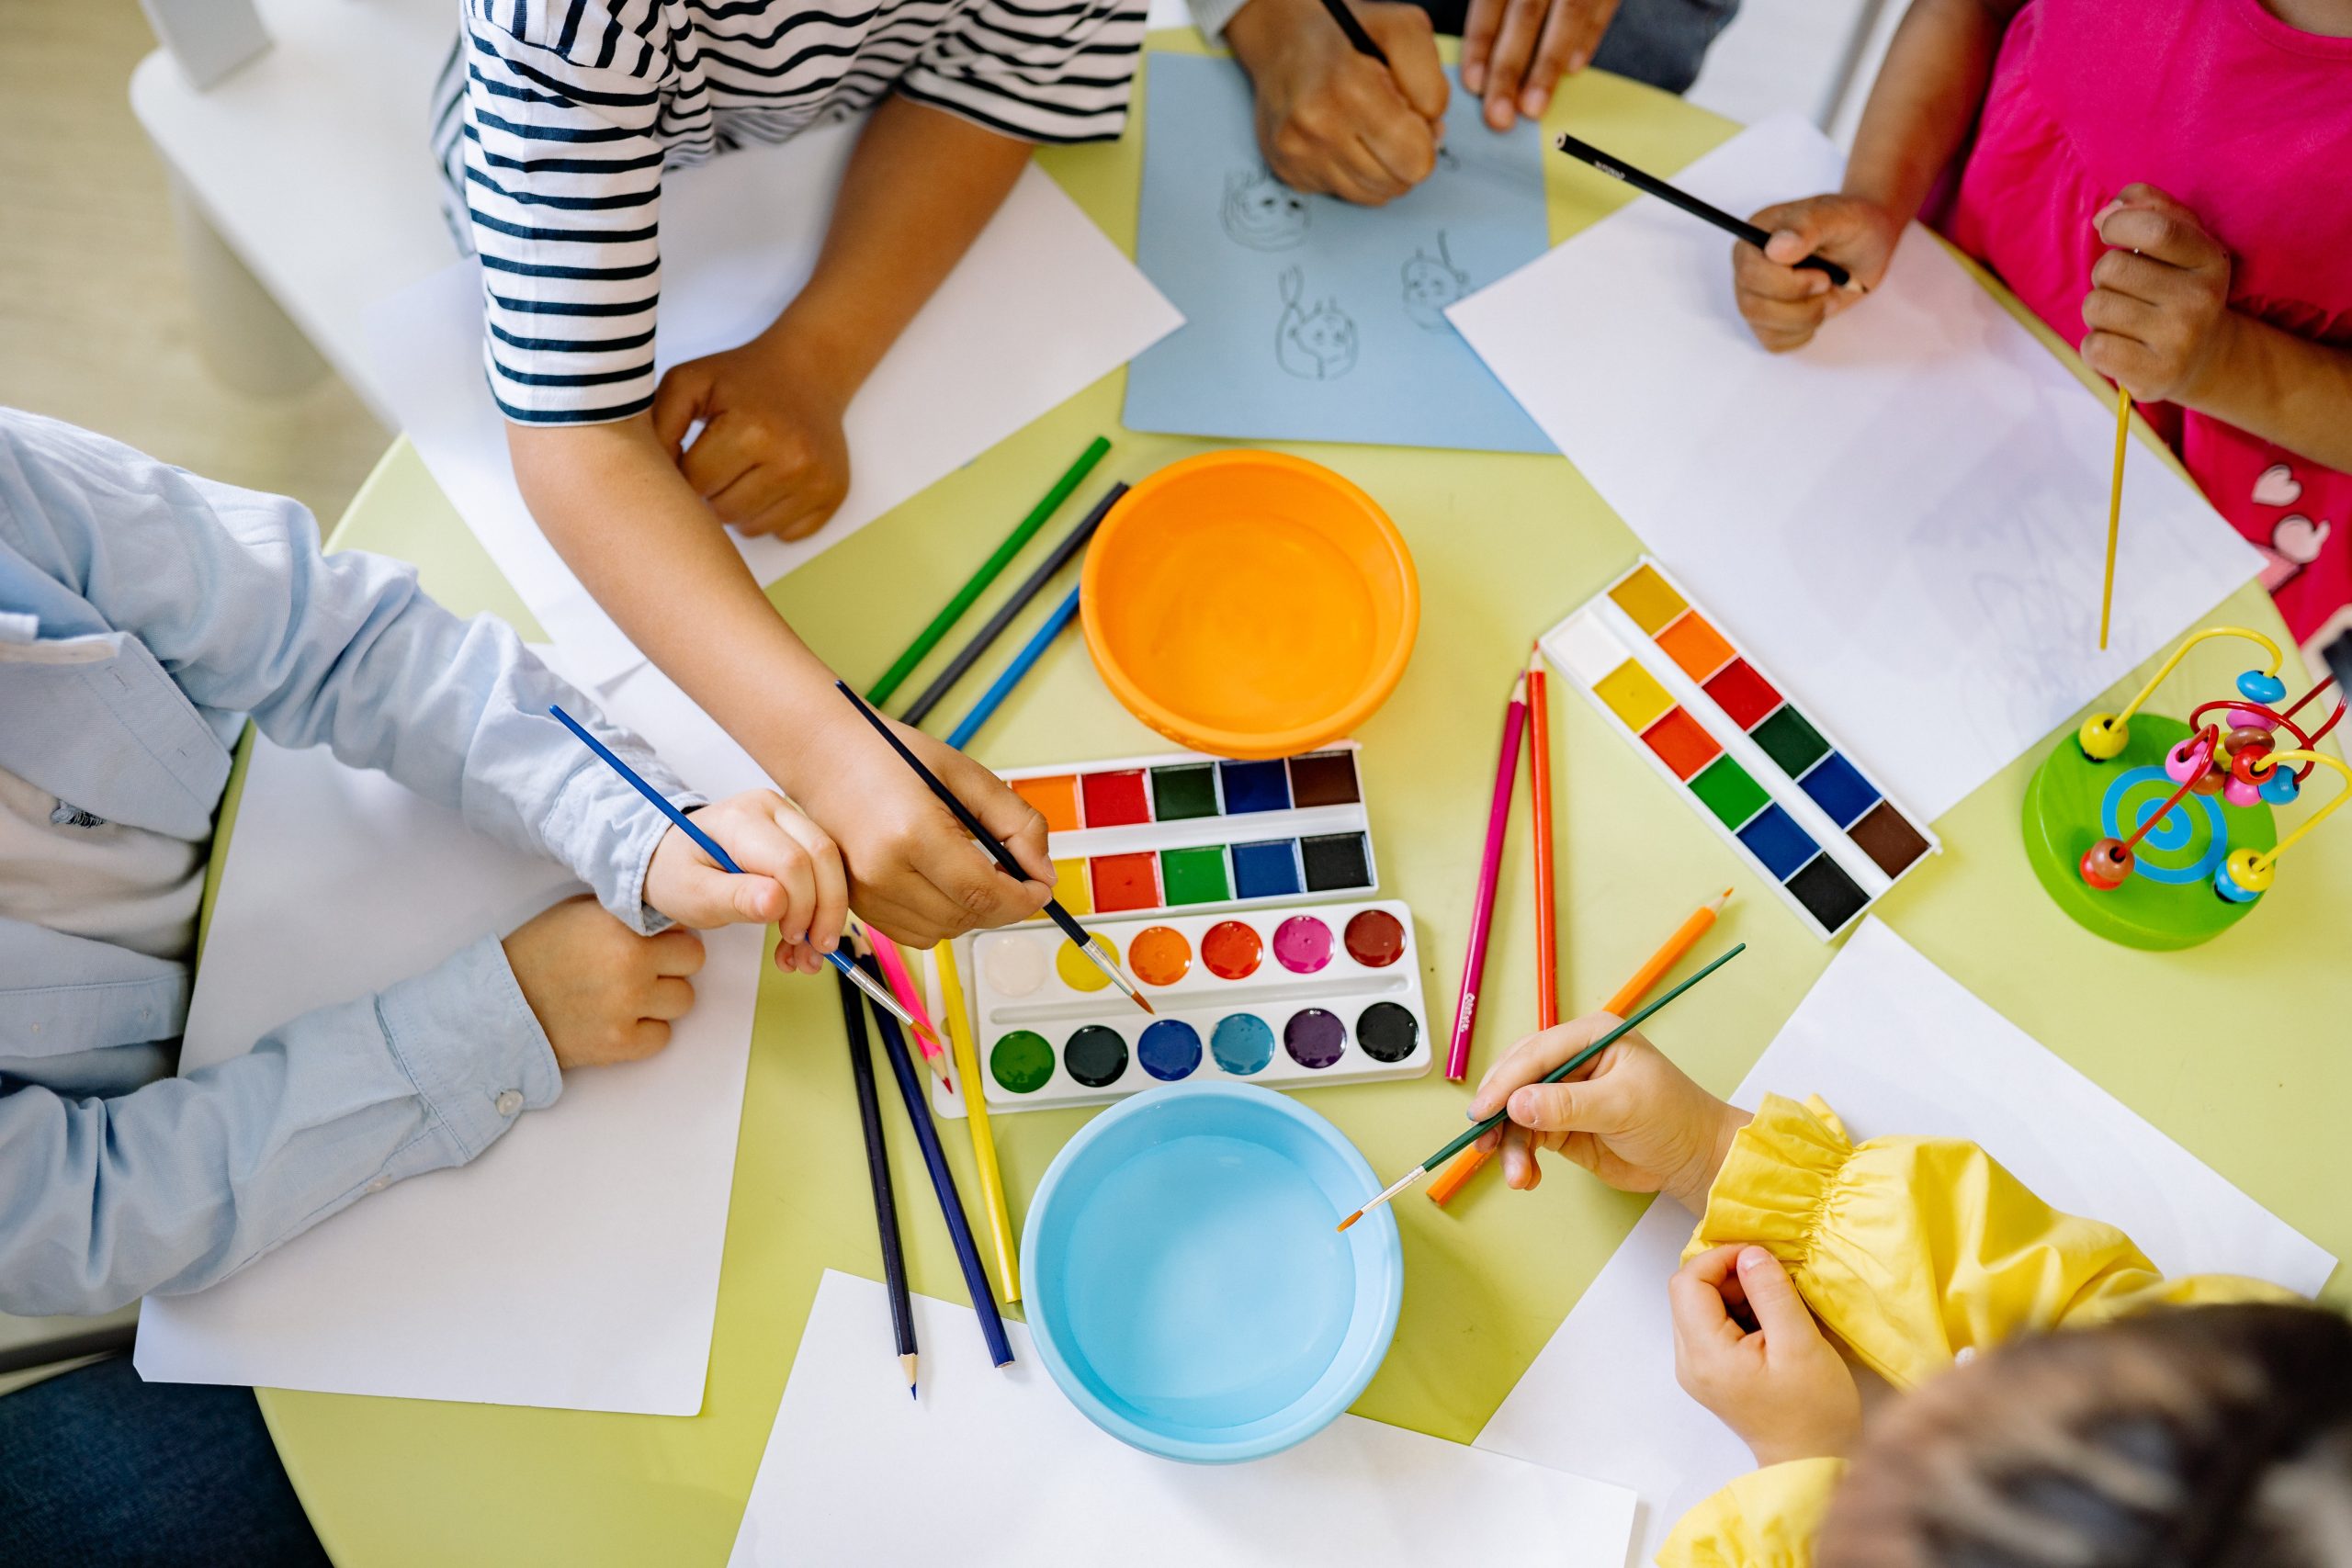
[606,832]
[1775,1184]
[472,1046]
[1767,1518]
[1211,15]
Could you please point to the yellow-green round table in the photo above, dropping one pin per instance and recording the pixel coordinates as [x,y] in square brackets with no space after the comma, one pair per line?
[2237,1049]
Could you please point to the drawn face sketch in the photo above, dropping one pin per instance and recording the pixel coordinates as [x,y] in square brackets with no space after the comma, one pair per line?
[1262,212]
[1431,282]
[1317,344]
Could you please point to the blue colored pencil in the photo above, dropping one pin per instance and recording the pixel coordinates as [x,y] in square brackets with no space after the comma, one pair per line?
[873,987]
[942,1182]
[877,1170]
[1030,652]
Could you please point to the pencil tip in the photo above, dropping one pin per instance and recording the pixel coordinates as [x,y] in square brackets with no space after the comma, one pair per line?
[1717,903]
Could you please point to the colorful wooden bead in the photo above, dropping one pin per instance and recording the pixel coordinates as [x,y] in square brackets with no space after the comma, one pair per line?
[2242,877]
[2257,687]
[2252,764]
[2102,738]
[2281,787]
[2105,865]
[2238,740]
[2185,761]
[2237,792]
[2246,718]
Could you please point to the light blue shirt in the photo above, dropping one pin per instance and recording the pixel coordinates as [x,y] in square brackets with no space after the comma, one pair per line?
[145,614]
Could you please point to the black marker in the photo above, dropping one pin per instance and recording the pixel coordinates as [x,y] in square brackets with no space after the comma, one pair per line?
[1354,29]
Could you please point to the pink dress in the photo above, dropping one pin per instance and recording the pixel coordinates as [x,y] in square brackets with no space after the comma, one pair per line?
[2247,122]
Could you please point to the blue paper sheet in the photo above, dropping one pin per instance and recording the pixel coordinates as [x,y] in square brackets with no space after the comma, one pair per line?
[1309,318]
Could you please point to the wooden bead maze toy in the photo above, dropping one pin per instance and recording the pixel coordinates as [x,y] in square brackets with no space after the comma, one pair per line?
[2160,834]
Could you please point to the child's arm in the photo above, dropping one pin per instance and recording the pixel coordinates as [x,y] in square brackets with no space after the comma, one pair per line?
[2161,324]
[1926,98]
[921,185]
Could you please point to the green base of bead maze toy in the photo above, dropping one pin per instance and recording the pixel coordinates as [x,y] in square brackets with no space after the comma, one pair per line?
[2063,808]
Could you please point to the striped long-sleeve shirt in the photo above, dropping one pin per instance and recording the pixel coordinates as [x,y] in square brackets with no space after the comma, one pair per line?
[557,119]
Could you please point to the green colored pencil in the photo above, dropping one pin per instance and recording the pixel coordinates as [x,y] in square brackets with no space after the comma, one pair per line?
[1481,1129]
[928,639]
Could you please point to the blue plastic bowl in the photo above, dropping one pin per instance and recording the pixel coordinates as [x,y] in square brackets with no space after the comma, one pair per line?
[1187,1289]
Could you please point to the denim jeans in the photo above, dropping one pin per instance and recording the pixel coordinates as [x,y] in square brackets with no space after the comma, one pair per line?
[99,1469]
[1662,42]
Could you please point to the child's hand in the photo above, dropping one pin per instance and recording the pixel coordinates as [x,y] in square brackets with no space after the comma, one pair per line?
[1784,304]
[792,876]
[602,993]
[1782,1387]
[1334,122]
[1630,1116]
[914,875]
[2159,308]
[771,457]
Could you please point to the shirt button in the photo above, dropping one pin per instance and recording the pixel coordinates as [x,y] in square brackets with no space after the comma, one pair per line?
[378,1184]
[509,1102]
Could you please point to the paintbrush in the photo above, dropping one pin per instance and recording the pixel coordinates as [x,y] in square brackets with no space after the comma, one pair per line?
[726,862]
[1480,1129]
[1002,856]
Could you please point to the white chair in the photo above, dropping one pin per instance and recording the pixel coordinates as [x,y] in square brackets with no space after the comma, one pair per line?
[301,179]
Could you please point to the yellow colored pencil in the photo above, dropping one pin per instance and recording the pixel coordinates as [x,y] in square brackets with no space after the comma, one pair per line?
[2115,507]
[976,1111]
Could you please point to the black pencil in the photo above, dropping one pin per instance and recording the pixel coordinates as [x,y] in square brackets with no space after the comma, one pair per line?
[942,1180]
[877,1168]
[1077,933]
[1354,29]
[1618,169]
[969,654]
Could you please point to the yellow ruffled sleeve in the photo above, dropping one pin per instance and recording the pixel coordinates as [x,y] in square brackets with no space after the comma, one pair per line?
[1767,1518]
[1912,1250]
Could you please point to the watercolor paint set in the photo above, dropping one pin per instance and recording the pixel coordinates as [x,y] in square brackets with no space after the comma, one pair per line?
[1288,998]
[1774,784]
[1187,832]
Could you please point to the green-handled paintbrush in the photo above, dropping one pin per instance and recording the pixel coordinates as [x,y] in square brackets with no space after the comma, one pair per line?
[1480,1130]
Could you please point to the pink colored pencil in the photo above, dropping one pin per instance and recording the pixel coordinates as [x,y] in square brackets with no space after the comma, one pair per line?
[903,986]
[1482,912]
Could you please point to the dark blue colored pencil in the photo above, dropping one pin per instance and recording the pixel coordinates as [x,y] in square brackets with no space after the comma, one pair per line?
[942,1180]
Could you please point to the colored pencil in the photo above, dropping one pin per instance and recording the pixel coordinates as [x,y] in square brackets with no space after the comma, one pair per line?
[942,1183]
[726,862]
[976,1103]
[1010,611]
[1616,168]
[902,985]
[1468,1162]
[2115,507]
[1002,856]
[1539,789]
[1030,652]
[877,1170]
[1360,39]
[1026,529]
[1482,907]
[1480,1129]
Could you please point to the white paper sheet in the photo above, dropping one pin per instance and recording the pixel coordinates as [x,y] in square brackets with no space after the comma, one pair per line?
[1042,307]
[1010,1473]
[575,1263]
[1906,520]
[1894,1046]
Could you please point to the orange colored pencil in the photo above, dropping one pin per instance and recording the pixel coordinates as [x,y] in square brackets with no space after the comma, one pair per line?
[1538,777]
[1467,1164]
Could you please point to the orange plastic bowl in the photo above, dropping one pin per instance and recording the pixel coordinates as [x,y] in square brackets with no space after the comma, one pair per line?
[1249,603]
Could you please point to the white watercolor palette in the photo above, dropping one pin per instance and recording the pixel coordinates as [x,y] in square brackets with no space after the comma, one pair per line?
[1286,997]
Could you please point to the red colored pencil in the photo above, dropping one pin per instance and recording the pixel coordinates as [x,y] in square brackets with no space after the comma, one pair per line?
[1482,913]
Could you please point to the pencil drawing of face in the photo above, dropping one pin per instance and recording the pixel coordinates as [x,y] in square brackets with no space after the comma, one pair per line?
[1431,282]
[1262,212]
[1317,344]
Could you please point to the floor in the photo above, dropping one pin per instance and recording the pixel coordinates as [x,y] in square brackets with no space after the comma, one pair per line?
[95,324]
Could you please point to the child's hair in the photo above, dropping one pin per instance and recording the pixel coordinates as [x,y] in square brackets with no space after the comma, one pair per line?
[2195,1437]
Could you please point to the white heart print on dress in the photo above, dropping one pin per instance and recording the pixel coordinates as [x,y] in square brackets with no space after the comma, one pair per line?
[2278,486]
[2295,542]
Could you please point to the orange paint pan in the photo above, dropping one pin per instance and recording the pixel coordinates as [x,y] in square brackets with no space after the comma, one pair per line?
[1249,603]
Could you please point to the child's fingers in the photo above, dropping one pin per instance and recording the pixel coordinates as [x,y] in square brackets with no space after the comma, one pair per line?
[718,458]
[1703,1321]
[1403,147]
[829,913]
[1521,1172]
[2168,235]
[1772,1296]
[670,998]
[1405,37]
[1537,1055]
[2121,314]
[676,952]
[1514,49]
[1593,1105]
[1479,25]
[2126,361]
[677,403]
